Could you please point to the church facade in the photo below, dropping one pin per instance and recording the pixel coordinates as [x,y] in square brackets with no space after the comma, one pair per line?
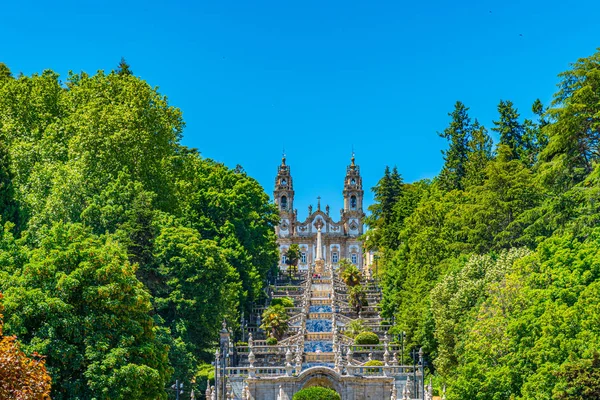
[339,239]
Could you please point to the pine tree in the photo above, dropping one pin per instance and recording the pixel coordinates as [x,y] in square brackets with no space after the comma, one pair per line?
[574,134]
[124,69]
[509,128]
[458,134]
[4,72]
[480,153]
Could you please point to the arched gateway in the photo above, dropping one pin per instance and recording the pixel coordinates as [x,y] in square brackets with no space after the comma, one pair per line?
[319,376]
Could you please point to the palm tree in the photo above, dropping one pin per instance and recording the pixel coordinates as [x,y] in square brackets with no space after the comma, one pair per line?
[275,320]
[351,275]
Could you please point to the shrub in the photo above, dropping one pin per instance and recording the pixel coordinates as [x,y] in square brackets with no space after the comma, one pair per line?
[316,393]
[271,341]
[283,301]
[373,363]
[366,338]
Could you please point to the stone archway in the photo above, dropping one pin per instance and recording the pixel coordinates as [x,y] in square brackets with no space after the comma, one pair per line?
[320,376]
[319,381]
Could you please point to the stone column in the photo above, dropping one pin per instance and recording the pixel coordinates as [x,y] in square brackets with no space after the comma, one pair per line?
[319,263]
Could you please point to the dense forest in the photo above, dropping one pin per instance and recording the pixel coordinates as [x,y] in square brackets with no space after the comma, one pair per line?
[121,250]
[493,266]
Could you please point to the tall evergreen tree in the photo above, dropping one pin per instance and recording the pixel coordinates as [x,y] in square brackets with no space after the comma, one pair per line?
[458,134]
[574,134]
[480,153]
[509,128]
[123,69]
[4,72]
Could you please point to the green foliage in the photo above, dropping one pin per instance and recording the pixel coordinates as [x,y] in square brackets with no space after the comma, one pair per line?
[366,338]
[293,255]
[510,130]
[355,327]
[579,380]
[573,134]
[351,276]
[373,363]
[271,341]
[284,301]
[275,320]
[458,293]
[100,156]
[77,301]
[490,269]
[316,393]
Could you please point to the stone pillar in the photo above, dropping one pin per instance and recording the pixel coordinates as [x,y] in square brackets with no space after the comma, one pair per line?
[319,263]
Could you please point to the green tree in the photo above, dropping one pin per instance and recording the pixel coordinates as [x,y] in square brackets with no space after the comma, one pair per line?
[292,258]
[351,276]
[580,380]
[510,130]
[78,302]
[480,154]
[275,320]
[123,69]
[458,134]
[573,134]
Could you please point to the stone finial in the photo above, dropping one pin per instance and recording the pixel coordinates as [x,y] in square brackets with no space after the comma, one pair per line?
[310,209]
[250,341]
[429,391]
[213,395]
[405,393]
[386,353]
[395,359]
[349,355]
[281,395]
[394,395]
[208,392]
[245,393]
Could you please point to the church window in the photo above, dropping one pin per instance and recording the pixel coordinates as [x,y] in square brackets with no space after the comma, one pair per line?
[353,181]
[353,202]
[354,258]
[283,182]
[284,259]
[283,203]
[303,257]
[334,257]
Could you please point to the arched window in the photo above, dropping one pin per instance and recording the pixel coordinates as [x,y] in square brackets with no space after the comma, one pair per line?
[283,182]
[283,203]
[353,202]
[353,181]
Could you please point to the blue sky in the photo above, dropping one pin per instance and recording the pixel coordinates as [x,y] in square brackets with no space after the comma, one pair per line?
[317,77]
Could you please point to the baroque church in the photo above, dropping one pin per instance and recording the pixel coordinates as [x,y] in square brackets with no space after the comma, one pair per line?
[339,239]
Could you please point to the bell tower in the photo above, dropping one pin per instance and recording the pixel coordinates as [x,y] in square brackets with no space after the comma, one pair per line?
[284,199]
[353,199]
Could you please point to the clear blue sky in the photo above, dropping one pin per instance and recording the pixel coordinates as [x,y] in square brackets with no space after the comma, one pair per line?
[314,76]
